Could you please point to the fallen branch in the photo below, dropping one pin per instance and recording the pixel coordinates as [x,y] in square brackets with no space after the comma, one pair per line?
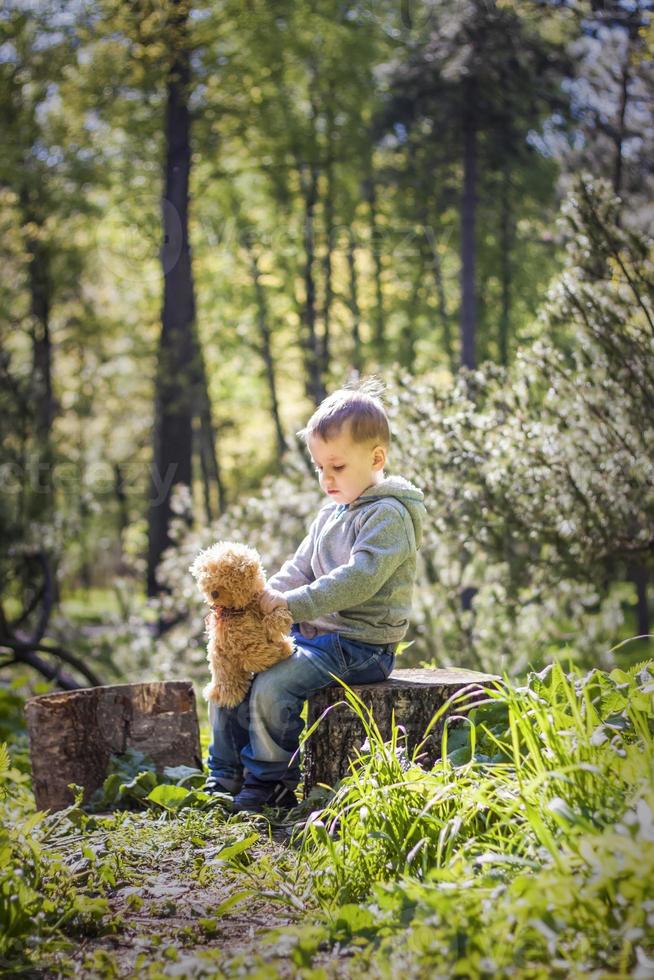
[26,649]
[25,652]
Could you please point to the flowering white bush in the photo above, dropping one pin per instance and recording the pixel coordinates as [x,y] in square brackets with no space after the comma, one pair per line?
[539,478]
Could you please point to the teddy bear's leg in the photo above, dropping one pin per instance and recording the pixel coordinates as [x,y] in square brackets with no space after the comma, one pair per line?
[213,690]
[239,662]
[222,694]
[230,689]
[235,690]
[258,659]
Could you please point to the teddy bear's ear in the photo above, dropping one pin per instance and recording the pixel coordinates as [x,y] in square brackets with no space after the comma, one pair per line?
[198,565]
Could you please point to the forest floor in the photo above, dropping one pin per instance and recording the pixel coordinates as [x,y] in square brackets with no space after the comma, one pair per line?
[177,910]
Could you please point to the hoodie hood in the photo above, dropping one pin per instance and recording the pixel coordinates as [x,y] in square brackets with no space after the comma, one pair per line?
[404,491]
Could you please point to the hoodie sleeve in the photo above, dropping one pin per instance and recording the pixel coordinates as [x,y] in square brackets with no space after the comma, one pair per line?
[382,544]
[297,571]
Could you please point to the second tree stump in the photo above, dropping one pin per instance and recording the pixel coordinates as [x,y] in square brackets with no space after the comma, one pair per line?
[74,734]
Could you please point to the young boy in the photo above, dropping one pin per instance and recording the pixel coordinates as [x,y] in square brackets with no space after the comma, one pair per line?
[348,588]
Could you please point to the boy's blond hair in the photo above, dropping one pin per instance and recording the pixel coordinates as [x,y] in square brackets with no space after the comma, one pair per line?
[357,403]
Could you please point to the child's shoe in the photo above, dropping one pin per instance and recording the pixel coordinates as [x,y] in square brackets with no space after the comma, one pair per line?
[256,794]
[215,784]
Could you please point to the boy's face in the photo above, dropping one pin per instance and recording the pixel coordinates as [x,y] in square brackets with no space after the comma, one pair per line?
[346,468]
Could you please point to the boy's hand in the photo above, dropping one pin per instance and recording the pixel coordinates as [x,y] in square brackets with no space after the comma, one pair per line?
[272,599]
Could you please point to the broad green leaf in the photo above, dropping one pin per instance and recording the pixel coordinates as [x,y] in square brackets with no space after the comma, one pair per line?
[169,796]
[352,919]
[179,774]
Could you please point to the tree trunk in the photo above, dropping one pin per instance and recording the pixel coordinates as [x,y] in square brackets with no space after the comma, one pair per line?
[121,503]
[441,302]
[468,209]
[329,231]
[379,339]
[357,356]
[413,696]
[40,503]
[620,128]
[312,347]
[640,578]
[407,353]
[506,244]
[175,397]
[209,464]
[266,349]
[40,287]
[73,735]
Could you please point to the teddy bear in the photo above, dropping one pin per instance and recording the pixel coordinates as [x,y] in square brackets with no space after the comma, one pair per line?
[242,640]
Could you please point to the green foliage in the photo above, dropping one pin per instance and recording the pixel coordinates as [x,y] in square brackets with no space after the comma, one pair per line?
[58,870]
[133,782]
[290,94]
[569,746]
[538,477]
[529,844]
[41,894]
[541,856]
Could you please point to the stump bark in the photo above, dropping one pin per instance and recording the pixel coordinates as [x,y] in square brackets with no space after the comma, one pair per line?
[412,695]
[72,735]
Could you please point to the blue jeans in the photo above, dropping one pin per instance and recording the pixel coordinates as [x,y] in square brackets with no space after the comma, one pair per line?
[262,733]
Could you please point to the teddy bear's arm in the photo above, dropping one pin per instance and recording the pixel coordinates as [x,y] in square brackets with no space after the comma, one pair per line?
[277,623]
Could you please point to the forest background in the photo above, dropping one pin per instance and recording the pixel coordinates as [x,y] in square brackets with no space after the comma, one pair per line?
[214,213]
[211,214]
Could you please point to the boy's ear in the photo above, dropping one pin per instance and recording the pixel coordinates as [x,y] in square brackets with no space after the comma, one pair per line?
[379,457]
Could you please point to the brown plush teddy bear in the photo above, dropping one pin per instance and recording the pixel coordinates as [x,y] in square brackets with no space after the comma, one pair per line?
[242,641]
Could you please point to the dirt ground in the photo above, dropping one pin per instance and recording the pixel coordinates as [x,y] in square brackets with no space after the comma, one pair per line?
[171,925]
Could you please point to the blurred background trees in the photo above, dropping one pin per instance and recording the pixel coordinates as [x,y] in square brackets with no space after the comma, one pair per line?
[213,214]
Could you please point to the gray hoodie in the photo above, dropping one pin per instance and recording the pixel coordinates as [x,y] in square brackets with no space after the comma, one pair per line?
[354,572]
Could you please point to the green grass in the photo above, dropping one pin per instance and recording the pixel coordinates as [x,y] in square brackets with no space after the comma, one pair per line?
[530,844]
[93,606]
[631,649]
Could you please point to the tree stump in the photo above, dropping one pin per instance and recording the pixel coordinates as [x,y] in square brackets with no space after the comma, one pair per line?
[413,695]
[72,735]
